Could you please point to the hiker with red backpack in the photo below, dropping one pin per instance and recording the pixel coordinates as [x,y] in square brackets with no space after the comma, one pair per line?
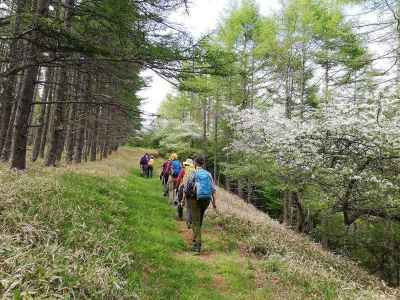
[201,189]
[164,175]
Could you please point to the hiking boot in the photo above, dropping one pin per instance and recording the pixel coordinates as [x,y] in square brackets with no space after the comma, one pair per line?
[196,248]
[189,225]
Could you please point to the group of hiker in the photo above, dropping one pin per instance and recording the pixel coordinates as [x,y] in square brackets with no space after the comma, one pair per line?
[146,164]
[189,185]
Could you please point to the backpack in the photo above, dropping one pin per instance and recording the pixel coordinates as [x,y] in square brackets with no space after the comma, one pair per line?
[203,184]
[166,167]
[175,168]
[143,160]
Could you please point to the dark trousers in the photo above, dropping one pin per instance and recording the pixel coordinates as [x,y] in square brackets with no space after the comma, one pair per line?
[150,171]
[165,184]
[199,207]
[189,210]
[144,170]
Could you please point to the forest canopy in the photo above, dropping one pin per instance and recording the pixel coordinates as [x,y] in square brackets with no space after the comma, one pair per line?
[70,71]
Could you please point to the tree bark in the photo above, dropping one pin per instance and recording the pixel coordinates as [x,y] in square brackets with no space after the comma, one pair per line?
[23,108]
[94,133]
[8,96]
[42,116]
[57,133]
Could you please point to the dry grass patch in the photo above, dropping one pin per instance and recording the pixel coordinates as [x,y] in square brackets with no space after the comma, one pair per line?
[55,240]
[293,261]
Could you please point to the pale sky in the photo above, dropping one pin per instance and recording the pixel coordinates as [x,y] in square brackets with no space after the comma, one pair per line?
[204,17]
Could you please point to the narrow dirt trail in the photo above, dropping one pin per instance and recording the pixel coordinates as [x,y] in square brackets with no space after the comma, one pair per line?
[206,256]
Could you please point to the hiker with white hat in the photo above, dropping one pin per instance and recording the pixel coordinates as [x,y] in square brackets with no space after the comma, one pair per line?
[182,200]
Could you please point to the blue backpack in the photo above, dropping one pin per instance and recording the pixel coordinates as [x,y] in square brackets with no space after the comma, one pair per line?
[204,185]
[175,168]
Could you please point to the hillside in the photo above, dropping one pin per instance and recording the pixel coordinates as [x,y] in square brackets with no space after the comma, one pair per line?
[101,231]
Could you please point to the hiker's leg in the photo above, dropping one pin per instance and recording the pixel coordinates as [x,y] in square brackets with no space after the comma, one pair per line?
[188,211]
[196,222]
[165,185]
[170,189]
[203,207]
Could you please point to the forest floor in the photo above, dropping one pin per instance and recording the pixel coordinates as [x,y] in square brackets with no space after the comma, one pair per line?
[101,231]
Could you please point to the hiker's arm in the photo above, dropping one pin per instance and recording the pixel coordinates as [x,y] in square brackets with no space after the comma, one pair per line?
[214,200]
[214,194]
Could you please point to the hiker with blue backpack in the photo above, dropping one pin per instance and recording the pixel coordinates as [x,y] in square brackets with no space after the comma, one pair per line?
[201,189]
[175,169]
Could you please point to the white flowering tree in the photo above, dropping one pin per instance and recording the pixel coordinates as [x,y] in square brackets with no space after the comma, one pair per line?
[349,152]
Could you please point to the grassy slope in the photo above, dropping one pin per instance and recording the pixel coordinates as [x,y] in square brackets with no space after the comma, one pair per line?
[101,231]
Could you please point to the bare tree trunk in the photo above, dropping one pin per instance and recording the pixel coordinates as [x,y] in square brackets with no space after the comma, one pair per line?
[205,122]
[93,143]
[41,120]
[80,136]
[300,217]
[8,96]
[23,110]
[285,202]
[57,133]
[83,119]
[6,151]
[46,125]
[20,132]
[70,139]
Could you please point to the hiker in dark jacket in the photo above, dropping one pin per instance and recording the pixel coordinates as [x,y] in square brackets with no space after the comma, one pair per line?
[164,175]
[144,165]
[201,189]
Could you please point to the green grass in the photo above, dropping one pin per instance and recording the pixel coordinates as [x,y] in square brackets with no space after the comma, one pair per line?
[104,237]
[143,226]
[132,219]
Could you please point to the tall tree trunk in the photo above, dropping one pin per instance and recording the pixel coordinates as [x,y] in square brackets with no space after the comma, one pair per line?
[8,96]
[57,129]
[6,151]
[93,143]
[47,121]
[300,217]
[42,115]
[57,133]
[204,122]
[80,136]
[286,208]
[70,139]
[216,120]
[83,119]
[23,108]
